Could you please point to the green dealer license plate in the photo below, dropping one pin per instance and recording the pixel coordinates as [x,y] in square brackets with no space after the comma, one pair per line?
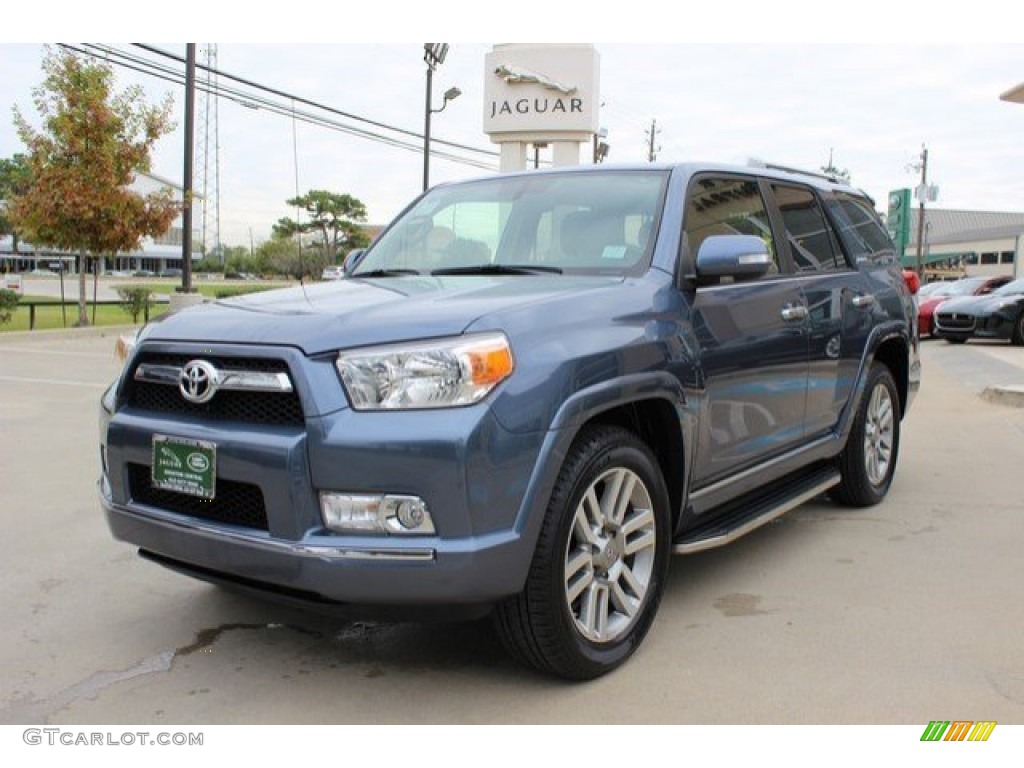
[185,466]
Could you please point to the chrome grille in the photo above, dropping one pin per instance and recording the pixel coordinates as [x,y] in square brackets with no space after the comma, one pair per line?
[250,407]
[954,321]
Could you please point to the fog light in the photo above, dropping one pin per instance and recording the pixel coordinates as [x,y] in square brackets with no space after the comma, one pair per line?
[375,514]
[410,512]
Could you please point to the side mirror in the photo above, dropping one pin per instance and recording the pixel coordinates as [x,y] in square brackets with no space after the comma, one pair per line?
[352,260]
[736,256]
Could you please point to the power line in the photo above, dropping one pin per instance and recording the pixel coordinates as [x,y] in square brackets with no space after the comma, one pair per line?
[256,101]
[318,105]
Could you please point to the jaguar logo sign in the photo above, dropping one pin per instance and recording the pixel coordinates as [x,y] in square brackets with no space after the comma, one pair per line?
[541,93]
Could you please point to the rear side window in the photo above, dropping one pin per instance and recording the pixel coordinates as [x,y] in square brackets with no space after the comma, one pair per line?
[811,242]
[860,230]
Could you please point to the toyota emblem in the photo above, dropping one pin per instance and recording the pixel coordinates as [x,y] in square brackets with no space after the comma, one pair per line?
[199,381]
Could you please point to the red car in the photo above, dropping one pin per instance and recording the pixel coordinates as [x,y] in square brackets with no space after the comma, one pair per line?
[928,300]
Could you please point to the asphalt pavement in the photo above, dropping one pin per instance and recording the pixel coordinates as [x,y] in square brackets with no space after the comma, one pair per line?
[901,613]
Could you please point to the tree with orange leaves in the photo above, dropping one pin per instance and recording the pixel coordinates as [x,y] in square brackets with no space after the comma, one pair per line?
[82,162]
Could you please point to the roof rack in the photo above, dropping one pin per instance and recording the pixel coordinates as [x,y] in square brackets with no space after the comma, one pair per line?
[755,163]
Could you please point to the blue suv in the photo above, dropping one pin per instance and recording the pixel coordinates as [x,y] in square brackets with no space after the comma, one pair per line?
[527,394]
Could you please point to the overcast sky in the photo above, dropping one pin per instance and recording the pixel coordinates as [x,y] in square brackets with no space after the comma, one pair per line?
[872,106]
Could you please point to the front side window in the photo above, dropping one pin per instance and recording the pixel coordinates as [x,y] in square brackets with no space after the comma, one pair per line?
[583,223]
[727,206]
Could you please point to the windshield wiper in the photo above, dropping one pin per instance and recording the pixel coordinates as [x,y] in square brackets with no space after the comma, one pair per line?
[386,273]
[498,269]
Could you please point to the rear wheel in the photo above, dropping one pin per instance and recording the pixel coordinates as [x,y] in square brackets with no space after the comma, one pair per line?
[867,463]
[599,568]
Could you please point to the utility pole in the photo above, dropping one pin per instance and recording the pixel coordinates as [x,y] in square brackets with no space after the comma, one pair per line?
[922,195]
[186,214]
[652,151]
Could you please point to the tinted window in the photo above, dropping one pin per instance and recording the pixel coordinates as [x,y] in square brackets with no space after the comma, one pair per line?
[860,230]
[727,207]
[810,240]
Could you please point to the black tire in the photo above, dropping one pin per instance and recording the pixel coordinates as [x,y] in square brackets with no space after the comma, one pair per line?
[1017,337]
[594,563]
[868,461]
[956,339]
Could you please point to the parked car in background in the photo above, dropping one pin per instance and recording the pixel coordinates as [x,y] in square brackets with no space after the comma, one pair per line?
[333,272]
[968,286]
[996,315]
[170,273]
[931,289]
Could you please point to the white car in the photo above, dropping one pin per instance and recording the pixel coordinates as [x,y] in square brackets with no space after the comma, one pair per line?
[333,272]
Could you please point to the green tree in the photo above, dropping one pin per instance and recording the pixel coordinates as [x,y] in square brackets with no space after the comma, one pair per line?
[333,223]
[8,303]
[283,256]
[831,169]
[14,179]
[82,162]
[135,301]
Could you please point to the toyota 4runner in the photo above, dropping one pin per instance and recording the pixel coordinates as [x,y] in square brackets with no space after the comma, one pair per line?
[527,394]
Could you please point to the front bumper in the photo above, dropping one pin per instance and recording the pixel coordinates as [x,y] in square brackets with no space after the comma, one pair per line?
[326,568]
[990,326]
[481,483]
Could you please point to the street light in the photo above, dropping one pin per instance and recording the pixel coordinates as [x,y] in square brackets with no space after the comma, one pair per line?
[434,55]
[1016,95]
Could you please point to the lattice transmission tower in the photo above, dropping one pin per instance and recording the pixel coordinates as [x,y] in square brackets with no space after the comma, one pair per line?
[209,153]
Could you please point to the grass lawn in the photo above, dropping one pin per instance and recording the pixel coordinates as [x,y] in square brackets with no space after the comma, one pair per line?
[49,316]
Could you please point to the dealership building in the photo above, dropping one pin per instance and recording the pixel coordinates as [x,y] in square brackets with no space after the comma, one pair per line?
[958,243]
[154,254]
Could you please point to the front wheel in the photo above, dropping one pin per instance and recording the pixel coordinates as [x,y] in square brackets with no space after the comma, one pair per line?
[868,461]
[599,567]
[1017,337]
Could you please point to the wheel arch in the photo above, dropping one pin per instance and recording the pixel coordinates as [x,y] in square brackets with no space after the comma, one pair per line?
[894,354]
[656,422]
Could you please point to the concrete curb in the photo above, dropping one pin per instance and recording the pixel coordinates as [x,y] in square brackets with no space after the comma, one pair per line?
[1009,395]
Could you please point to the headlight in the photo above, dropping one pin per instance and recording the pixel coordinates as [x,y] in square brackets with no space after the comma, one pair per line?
[435,374]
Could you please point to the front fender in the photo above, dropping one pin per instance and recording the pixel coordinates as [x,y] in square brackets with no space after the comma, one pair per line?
[584,407]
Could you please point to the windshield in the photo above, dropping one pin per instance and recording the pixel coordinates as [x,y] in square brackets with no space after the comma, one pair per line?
[581,223]
[965,287]
[1016,286]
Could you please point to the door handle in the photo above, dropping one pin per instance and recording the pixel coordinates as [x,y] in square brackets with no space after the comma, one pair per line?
[793,312]
[863,300]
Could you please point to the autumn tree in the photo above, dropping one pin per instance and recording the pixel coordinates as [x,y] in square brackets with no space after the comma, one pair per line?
[83,160]
[333,222]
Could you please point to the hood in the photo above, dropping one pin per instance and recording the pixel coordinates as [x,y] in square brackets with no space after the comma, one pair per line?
[974,305]
[359,312]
